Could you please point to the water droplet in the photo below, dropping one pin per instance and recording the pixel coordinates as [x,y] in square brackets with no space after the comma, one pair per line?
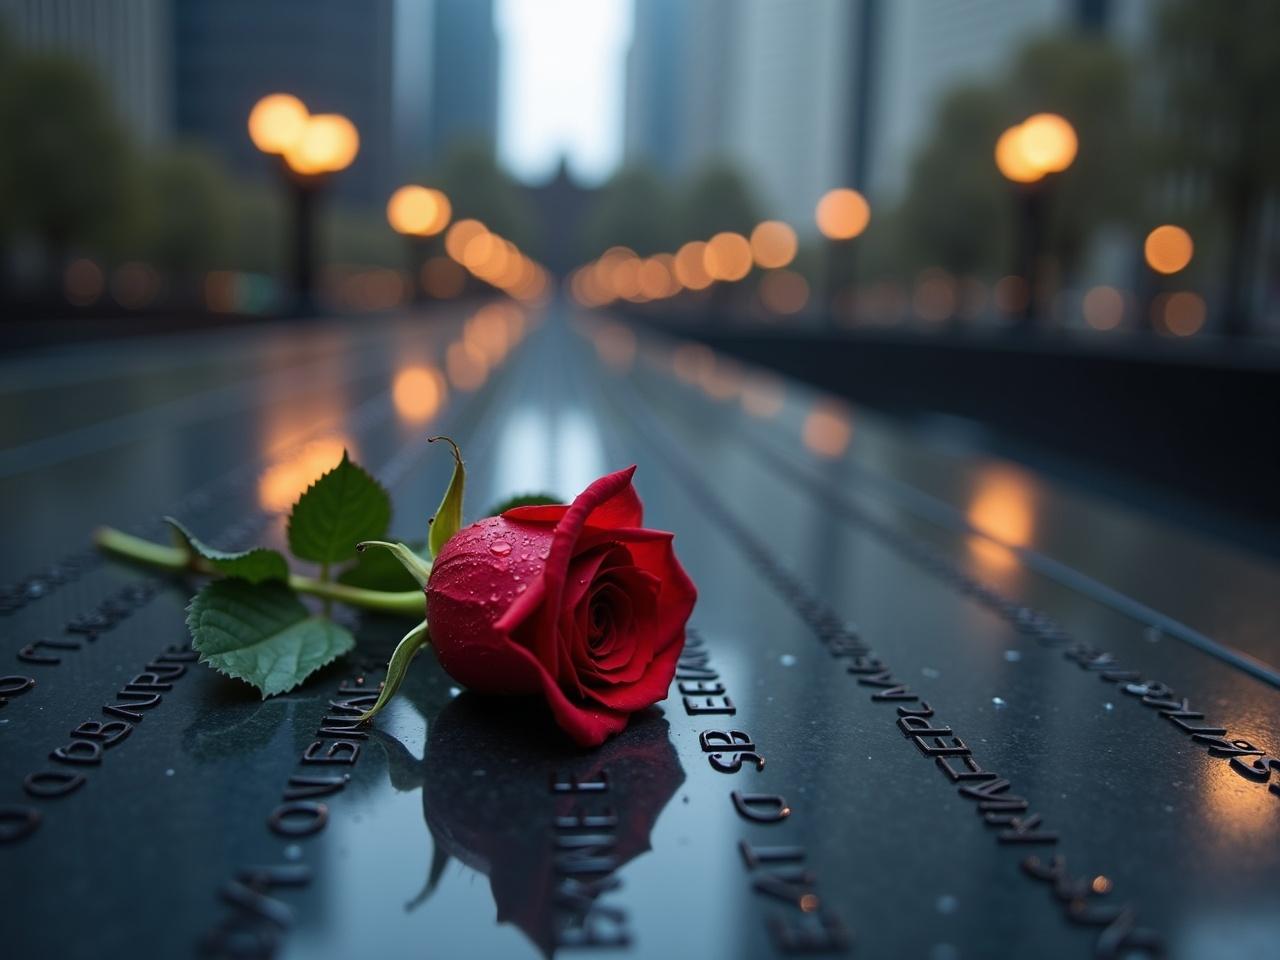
[1108,705]
[477,773]
[1013,656]
[998,703]
[931,673]
[454,691]
[947,903]
[493,598]
[521,587]
[292,852]
[787,660]
[169,772]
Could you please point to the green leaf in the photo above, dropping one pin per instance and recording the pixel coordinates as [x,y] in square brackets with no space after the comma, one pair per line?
[448,518]
[410,644]
[253,565]
[380,570]
[523,500]
[262,634]
[343,507]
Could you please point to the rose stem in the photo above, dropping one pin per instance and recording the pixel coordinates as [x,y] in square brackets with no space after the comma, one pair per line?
[410,603]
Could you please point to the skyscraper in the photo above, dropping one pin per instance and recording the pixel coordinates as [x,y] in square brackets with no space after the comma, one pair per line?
[337,56]
[126,41]
[464,75]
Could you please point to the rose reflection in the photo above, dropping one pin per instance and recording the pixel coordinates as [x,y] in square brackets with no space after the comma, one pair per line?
[488,799]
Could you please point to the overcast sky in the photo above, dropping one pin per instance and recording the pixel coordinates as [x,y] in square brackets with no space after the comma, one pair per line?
[562,85]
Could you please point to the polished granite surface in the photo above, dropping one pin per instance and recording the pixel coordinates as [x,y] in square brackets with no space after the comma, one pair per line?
[1100,686]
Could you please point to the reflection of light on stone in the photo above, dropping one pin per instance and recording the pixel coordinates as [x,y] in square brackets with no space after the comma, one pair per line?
[579,453]
[616,345]
[282,483]
[762,397]
[719,379]
[523,454]
[418,393]
[1239,811]
[827,429]
[1002,507]
[690,359]
[466,365]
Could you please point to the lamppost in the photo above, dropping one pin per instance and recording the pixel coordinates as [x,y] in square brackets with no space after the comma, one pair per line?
[841,215]
[1028,155]
[418,213]
[311,147]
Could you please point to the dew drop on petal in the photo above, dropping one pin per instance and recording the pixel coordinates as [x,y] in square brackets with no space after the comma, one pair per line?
[500,548]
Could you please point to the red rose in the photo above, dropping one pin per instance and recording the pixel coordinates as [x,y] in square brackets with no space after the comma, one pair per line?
[577,603]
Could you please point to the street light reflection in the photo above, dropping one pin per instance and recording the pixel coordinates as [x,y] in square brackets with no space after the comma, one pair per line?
[1003,508]
[827,429]
[418,393]
[282,483]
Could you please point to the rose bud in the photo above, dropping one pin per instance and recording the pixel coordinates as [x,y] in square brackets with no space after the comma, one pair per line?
[578,604]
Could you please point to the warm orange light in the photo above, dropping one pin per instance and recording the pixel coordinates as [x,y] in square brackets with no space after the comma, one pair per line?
[727,257]
[1168,249]
[656,281]
[418,393]
[276,122]
[1182,314]
[461,234]
[784,291]
[827,429]
[1048,142]
[842,214]
[616,345]
[1011,161]
[773,244]
[1002,508]
[418,211]
[689,267]
[763,396]
[282,483]
[328,143]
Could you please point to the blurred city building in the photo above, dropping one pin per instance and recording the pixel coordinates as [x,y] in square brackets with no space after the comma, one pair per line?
[129,43]
[464,75]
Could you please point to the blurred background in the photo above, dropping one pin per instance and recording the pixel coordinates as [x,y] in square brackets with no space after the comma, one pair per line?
[994,202]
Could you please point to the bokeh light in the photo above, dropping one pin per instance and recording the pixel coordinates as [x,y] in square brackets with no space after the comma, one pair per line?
[329,142]
[784,291]
[277,122]
[842,214]
[418,393]
[1168,249]
[1181,314]
[1048,142]
[1103,308]
[690,266]
[827,429]
[418,211]
[773,244]
[727,256]
[83,282]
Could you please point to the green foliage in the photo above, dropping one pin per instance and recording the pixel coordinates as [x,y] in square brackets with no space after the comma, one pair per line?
[338,511]
[65,164]
[190,211]
[717,199]
[448,518]
[254,565]
[633,209]
[262,634]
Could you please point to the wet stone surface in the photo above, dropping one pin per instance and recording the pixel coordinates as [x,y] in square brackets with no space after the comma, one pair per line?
[888,735]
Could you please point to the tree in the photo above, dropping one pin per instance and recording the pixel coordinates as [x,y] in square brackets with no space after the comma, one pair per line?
[956,211]
[65,166]
[717,199]
[190,211]
[1222,74]
[633,209]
